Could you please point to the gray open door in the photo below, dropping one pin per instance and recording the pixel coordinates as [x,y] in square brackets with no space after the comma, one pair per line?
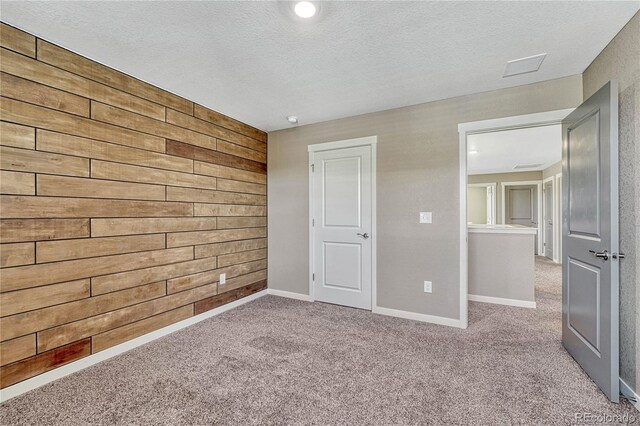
[590,267]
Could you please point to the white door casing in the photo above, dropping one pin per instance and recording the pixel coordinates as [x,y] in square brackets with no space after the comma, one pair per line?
[342,223]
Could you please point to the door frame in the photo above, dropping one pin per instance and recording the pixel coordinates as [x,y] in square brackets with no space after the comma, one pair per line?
[554,213]
[557,249]
[485,126]
[538,184]
[370,141]
[494,201]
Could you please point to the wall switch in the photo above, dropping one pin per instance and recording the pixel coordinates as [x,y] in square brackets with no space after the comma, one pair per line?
[223,278]
[425,217]
[427,287]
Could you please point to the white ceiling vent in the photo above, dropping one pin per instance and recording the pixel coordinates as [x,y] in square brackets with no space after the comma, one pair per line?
[527,166]
[524,65]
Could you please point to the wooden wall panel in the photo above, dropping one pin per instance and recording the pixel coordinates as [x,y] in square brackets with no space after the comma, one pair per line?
[121,204]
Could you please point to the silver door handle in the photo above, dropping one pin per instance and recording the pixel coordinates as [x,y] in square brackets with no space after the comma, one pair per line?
[604,255]
[365,235]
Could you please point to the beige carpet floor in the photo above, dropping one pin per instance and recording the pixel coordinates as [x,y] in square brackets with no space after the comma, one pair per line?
[277,361]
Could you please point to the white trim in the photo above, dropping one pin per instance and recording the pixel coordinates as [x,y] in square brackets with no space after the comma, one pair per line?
[630,394]
[475,229]
[484,126]
[347,143]
[432,319]
[538,184]
[289,295]
[502,301]
[372,142]
[81,364]
[554,207]
[557,250]
[494,204]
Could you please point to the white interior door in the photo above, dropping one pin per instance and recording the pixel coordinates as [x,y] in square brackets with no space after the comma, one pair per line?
[342,226]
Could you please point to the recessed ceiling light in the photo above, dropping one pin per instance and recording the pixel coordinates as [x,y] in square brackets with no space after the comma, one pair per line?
[305,9]
[292,119]
[524,65]
[473,151]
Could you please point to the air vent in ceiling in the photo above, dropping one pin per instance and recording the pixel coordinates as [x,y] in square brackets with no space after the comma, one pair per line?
[524,65]
[527,166]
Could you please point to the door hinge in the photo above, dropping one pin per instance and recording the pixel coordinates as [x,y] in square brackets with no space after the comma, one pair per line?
[313,222]
[313,168]
[313,277]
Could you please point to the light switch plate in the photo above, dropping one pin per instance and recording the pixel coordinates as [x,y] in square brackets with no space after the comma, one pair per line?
[425,217]
[428,287]
[223,278]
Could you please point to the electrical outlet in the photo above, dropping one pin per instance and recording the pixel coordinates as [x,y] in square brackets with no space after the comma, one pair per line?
[223,278]
[427,286]
[425,217]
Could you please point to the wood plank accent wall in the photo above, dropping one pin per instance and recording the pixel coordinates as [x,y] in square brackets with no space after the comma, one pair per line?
[121,204]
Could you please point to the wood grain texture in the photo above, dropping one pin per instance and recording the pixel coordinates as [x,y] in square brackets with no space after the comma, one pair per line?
[16,230]
[129,226]
[61,186]
[196,195]
[175,285]
[89,148]
[228,172]
[228,210]
[101,178]
[189,122]
[15,302]
[55,207]
[33,321]
[227,297]
[17,136]
[180,239]
[61,335]
[16,254]
[65,59]
[42,73]
[222,120]
[43,362]
[16,40]
[122,280]
[210,156]
[216,249]
[17,349]
[116,336]
[35,93]
[120,117]
[27,160]
[17,183]
[22,277]
[55,251]
[48,119]
[126,172]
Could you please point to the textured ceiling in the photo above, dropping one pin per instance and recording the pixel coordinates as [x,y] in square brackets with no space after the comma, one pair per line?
[500,152]
[257,62]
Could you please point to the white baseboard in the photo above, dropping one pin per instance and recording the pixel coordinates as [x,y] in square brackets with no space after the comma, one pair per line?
[433,319]
[626,390]
[502,301]
[289,294]
[73,367]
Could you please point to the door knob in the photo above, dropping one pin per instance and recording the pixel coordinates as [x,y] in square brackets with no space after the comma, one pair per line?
[604,255]
[365,235]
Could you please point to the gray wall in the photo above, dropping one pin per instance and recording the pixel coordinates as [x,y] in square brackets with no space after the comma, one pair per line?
[620,60]
[418,170]
[498,178]
[477,204]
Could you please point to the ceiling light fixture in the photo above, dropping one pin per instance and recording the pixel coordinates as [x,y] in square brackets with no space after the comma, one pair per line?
[292,119]
[305,9]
